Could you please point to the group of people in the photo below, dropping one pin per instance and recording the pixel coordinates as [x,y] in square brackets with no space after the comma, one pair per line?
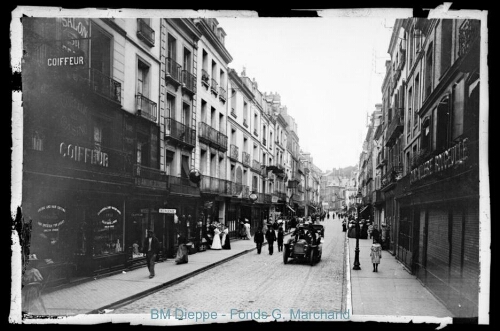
[366,231]
[272,233]
[220,236]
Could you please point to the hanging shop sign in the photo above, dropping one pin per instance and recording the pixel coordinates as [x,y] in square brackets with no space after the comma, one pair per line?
[274,199]
[51,217]
[167,211]
[73,44]
[455,155]
[83,154]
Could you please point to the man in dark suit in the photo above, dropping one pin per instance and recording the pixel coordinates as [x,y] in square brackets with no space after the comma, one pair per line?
[150,247]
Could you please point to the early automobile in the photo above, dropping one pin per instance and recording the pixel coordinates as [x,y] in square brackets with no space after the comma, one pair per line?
[303,246]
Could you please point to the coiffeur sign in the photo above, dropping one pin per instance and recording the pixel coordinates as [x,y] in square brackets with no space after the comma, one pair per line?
[447,159]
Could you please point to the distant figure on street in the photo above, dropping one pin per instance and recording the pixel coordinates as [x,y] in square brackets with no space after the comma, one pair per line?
[280,238]
[264,227]
[271,238]
[227,243]
[258,239]
[375,235]
[247,229]
[150,248]
[243,231]
[182,251]
[370,230]
[376,255]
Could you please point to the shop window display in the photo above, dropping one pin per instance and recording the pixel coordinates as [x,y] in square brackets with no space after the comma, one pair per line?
[108,231]
[48,241]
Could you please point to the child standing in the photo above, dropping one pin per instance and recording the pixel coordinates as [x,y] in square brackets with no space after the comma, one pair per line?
[376,255]
[280,239]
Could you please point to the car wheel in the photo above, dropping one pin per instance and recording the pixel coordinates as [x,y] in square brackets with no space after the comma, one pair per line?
[311,257]
[285,255]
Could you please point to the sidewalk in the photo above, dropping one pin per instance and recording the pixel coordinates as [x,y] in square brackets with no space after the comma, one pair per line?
[390,291]
[95,295]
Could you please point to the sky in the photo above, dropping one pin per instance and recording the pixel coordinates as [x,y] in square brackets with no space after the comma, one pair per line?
[328,72]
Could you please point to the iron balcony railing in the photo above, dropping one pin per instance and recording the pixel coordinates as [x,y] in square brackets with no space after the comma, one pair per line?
[245,159]
[395,128]
[180,132]
[104,85]
[213,86]
[145,32]
[222,94]
[233,152]
[256,165]
[205,77]
[182,186]
[173,70]
[210,136]
[146,107]
[391,176]
[188,81]
[468,32]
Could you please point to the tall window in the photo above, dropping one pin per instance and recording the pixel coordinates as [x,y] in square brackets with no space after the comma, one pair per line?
[442,124]
[203,115]
[185,166]
[187,60]
[171,48]
[416,105]
[410,108]
[142,78]
[186,111]
[446,44]
[457,127]
[426,135]
[100,55]
[170,111]
[428,72]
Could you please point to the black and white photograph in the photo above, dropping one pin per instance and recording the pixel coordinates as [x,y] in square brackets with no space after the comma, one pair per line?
[194,167]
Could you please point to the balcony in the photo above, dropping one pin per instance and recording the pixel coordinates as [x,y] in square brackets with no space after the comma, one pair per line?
[212,137]
[394,129]
[256,166]
[233,152]
[390,178]
[182,186]
[222,94]
[469,33]
[245,123]
[188,82]
[146,108]
[381,158]
[145,32]
[276,168]
[245,192]
[245,159]
[300,168]
[214,87]
[264,141]
[233,113]
[205,78]
[212,185]
[150,177]
[173,74]
[179,134]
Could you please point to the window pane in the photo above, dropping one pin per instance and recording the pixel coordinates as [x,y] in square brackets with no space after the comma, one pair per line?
[458,110]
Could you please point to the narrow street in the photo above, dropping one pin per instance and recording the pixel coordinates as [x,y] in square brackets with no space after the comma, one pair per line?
[262,282]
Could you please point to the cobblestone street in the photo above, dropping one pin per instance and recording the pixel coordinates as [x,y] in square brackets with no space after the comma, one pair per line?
[262,282]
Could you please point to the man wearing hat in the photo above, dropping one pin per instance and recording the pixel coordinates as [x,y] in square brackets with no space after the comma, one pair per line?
[150,247]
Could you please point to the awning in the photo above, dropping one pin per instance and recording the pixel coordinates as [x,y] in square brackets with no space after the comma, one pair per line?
[290,208]
[312,207]
[364,209]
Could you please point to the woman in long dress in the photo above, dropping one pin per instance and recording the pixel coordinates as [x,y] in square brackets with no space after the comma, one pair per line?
[226,243]
[247,229]
[216,241]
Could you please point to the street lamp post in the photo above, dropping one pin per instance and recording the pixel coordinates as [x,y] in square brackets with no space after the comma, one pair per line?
[356,251]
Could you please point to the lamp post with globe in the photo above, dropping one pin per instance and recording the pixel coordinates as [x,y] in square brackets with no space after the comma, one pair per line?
[359,198]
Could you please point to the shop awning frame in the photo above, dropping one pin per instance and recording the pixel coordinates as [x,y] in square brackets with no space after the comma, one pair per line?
[290,208]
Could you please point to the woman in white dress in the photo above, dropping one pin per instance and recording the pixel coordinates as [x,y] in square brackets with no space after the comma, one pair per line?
[247,228]
[216,241]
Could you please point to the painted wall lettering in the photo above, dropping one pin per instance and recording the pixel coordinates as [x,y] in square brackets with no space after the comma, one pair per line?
[84,154]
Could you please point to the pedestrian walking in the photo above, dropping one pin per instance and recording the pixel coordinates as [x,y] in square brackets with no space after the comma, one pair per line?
[280,239]
[258,239]
[247,229]
[216,241]
[151,246]
[271,238]
[376,255]
[375,235]
[243,232]
[370,230]
[182,251]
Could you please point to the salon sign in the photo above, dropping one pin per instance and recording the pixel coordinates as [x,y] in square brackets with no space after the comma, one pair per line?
[51,217]
[109,216]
